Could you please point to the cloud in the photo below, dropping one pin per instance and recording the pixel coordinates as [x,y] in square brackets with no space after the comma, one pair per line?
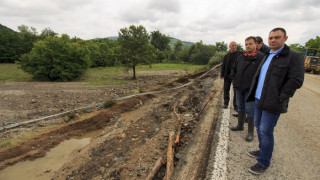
[206,20]
[165,5]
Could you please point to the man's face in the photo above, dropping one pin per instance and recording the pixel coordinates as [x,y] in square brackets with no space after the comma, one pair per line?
[276,40]
[233,47]
[250,46]
[259,45]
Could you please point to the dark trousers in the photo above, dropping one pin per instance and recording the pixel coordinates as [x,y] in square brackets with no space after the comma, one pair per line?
[226,93]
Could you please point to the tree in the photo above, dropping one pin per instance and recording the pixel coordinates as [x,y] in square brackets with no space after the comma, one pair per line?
[161,43]
[222,46]
[100,54]
[47,32]
[200,53]
[313,43]
[176,55]
[216,59]
[240,48]
[178,46]
[296,47]
[27,36]
[55,59]
[8,45]
[134,47]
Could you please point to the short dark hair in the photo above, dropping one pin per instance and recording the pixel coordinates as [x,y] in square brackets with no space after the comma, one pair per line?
[259,39]
[279,29]
[251,37]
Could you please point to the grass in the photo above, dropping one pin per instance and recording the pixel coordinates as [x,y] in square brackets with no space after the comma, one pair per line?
[103,76]
[11,73]
[96,76]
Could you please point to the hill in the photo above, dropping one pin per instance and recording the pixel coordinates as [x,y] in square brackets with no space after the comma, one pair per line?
[172,41]
[2,28]
[184,43]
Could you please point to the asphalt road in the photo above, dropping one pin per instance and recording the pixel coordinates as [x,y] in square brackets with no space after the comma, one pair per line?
[296,152]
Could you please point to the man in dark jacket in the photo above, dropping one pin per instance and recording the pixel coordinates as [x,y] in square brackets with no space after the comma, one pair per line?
[228,61]
[242,73]
[261,46]
[279,75]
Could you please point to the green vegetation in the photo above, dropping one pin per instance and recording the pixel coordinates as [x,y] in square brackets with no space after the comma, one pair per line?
[11,73]
[96,76]
[48,56]
[56,59]
[108,104]
[217,59]
[161,44]
[103,76]
[135,47]
[182,79]
[186,44]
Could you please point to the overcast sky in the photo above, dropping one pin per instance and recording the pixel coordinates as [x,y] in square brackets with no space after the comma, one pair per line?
[188,20]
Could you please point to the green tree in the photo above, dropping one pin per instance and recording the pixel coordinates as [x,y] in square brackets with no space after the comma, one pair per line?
[103,52]
[27,36]
[313,43]
[240,47]
[216,59]
[176,55]
[47,32]
[222,46]
[55,59]
[200,53]
[296,47]
[134,47]
[161,43]
[178,46]
[8,45]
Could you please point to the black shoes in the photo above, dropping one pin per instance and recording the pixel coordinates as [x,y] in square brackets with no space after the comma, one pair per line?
[225,106]
[254,154]
[257,169]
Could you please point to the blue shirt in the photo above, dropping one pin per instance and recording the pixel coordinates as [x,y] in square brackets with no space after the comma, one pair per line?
[263,73]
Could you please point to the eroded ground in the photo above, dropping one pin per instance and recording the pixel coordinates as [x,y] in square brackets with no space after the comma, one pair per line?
[134,131]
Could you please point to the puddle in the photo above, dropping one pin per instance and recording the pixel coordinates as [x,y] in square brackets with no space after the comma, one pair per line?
[44,168]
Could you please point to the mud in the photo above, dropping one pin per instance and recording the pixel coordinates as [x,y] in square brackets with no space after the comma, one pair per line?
[134,133]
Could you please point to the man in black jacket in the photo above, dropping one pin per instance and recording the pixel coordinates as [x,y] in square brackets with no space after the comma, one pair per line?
[279,75]
[261,46]
[242,73]
[228,61]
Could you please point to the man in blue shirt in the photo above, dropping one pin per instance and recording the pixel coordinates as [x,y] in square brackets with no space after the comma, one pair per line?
[279,75]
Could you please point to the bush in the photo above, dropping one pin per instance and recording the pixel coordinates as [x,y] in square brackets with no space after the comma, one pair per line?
[182,79]
[56,59]
[108,104]
[216,59]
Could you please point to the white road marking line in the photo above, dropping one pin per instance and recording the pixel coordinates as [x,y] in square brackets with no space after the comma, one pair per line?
[220,164]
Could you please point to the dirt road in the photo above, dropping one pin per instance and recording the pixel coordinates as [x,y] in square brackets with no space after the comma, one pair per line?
[297,140]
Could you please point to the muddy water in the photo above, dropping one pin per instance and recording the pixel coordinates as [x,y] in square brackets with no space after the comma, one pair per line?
[44,168]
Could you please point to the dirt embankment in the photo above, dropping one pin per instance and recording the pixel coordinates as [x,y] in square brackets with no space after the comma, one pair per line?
[135,134]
